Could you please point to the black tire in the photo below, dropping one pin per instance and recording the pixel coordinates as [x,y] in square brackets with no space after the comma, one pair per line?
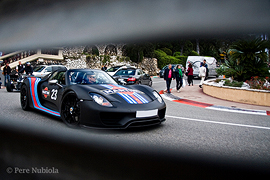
[24,98]
[9,87]
[70,110]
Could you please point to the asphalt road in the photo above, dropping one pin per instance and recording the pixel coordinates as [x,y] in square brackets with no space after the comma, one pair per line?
[187,128]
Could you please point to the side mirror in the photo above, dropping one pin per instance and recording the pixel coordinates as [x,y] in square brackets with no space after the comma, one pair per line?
[122,82]
[54,81]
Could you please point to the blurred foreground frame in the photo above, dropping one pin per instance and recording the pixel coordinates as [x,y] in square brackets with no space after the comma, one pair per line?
[26,24]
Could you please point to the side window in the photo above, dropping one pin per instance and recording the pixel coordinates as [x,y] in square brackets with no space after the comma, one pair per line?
[53,76]
[59,76]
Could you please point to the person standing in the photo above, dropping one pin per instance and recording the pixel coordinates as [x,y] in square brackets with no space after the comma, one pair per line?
[178,77]
[19,67]
[28,69]
[190,74]
[7,72]
[168,75]
[202,74]
[206,67]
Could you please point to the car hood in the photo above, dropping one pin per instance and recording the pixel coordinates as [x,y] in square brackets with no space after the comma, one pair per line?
[118,93]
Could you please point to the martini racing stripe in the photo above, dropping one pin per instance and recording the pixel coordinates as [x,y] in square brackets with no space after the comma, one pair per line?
[128,98]
[131,96]
[34,95]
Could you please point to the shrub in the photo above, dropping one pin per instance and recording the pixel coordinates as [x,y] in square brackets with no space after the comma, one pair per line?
[164,59]
[177,54]
[247,58]
[193,53]
[259,83]
[233,83]
[167,51]
[221,70]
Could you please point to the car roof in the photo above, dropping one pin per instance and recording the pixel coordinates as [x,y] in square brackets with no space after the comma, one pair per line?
[130,68]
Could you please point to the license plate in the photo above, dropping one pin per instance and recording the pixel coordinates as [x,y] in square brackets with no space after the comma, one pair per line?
[149,113]
[120,79]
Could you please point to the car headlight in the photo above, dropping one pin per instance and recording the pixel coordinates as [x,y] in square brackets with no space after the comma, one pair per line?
[159,98]
[100,100]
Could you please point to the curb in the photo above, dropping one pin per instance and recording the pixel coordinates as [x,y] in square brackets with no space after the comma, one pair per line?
[174,98]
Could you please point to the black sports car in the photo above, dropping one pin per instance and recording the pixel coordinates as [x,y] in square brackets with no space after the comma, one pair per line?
[132,76]
[93,98]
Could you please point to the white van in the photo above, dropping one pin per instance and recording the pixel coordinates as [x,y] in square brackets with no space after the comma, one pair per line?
[196,61]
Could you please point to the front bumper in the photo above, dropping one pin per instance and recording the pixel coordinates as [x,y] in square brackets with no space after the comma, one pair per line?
[120,116]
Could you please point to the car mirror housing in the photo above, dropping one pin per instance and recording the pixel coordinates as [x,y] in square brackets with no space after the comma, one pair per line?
[54,81]
[122,82]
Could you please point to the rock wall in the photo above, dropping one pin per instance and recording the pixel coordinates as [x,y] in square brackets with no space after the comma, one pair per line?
[75,59]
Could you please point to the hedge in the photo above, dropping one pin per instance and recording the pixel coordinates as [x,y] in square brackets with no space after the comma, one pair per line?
[164,59]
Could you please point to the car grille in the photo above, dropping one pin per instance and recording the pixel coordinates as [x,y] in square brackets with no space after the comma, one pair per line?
[120,119]
[114,119]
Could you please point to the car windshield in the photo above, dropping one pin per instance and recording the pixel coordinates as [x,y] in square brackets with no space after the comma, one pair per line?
[39,68]
[89,77]
[125,72]
[113,69]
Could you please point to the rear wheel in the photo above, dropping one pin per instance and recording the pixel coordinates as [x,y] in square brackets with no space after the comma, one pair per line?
[24,98]
[9,87]
[70,110]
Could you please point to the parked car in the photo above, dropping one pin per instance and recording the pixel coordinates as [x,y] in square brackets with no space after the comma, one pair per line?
[87,97]
[111,71]
[43,70]
[161,72]
[130,76]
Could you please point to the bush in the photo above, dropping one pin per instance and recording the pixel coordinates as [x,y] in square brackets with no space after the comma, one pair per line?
[233,83]
[221,70]
[247,58]
[193,53]
[164,59]
[177,54]
[259,83]
[167,51]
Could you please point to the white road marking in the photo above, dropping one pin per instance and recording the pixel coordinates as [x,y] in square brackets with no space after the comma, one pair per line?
[218,122]
[247,111]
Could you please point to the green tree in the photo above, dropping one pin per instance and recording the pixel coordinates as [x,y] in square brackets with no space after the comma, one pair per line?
[247,58]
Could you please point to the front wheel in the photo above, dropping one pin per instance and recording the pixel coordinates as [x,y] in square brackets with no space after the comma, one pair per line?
[24,98]
[70,110]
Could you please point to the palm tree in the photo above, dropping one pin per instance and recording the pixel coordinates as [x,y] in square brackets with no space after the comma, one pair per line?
[248,58]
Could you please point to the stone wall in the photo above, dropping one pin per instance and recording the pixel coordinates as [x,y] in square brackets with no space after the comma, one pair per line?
[74,59]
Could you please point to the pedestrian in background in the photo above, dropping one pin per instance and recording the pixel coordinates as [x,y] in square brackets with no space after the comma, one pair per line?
[27,69]
[104,68]
[202,74]
[206,67]
[168,76]
[190,74]
[178,77]
[19,67]
[7,72]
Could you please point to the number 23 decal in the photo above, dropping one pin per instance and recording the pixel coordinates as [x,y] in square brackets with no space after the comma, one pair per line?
[54,94]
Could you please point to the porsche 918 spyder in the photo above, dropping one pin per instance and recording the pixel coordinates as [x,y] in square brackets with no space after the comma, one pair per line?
[86,97]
